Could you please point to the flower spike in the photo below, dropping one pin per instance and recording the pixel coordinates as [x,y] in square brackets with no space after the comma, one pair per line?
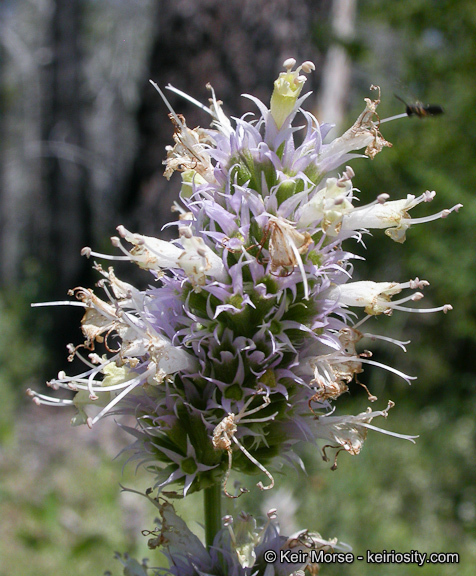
[251,328]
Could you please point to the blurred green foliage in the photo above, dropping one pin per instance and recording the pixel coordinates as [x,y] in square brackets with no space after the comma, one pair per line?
[60,505]
[22,358]
[435,60]
[399,496]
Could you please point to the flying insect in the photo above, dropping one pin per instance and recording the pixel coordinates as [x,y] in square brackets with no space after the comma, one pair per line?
[421,110]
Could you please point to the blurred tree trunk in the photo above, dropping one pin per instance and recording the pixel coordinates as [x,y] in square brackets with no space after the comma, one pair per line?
[20,120]
[62,225]
[64,177]
[337,67]
[239,47]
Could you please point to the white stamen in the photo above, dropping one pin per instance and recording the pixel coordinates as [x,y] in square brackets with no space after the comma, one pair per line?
[58,303]
[167,103]
[187,97]
[396,117]
[389,369]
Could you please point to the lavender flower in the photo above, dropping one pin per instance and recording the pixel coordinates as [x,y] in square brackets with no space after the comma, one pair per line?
[248,337]
[241,548]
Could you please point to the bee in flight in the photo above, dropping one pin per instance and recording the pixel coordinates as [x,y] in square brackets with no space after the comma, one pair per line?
[421,110]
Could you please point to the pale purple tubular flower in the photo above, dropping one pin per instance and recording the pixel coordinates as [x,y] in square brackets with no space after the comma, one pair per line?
[393,215]
[349,432]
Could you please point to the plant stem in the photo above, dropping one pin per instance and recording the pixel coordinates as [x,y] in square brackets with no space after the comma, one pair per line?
[212,505]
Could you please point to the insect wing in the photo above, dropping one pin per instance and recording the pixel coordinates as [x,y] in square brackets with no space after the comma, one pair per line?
[421,110]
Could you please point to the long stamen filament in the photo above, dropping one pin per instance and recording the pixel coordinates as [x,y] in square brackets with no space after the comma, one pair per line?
[396,117]
[258,464]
